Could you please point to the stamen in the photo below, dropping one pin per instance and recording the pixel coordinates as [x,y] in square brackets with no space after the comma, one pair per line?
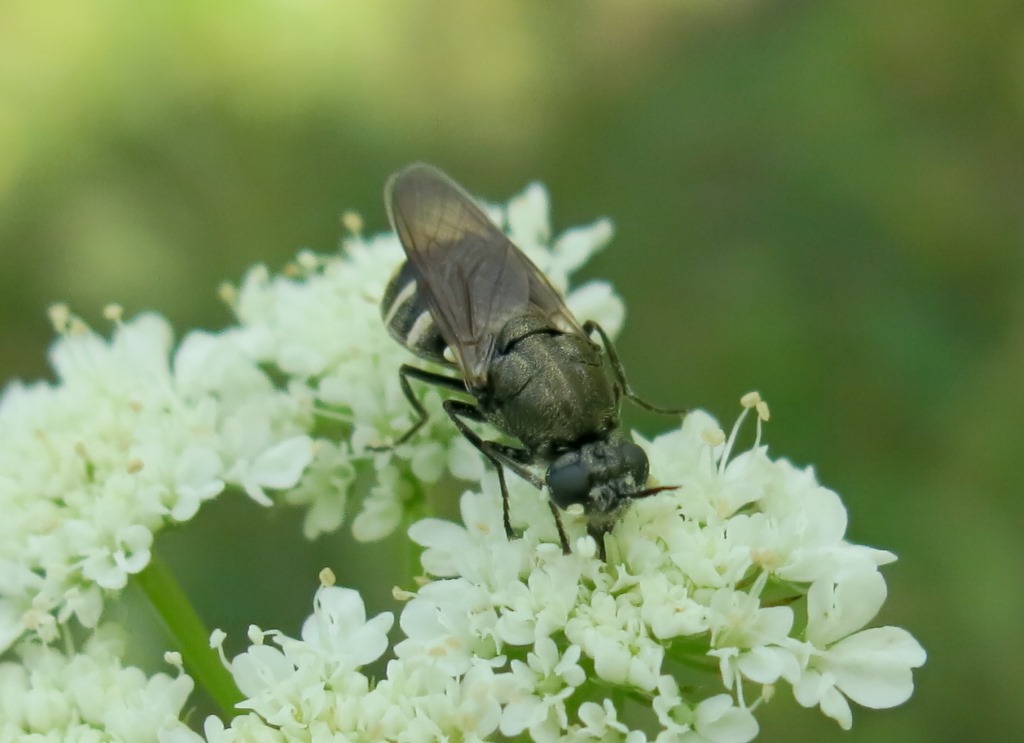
[751,399]
[759,584]
[353,222]
[77,326]
[400,594]
[217,638]
[740,701]
[228,293]
[113,312]
[59,317]
[732,437]
[333,414]
[327,578]
[762,417]
[748,401]
[713,437]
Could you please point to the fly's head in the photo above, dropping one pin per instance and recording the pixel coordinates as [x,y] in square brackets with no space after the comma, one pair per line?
[602,476]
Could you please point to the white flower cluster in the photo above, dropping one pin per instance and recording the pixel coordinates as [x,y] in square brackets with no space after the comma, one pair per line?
[735,582]
[134,434]
[711,595]
[88,697]
[125,441]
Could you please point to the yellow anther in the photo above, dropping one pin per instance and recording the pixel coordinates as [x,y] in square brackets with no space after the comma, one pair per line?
[327,578]
[751,399]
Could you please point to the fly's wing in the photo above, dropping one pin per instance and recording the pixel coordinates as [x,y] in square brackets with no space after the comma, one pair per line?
[473,278]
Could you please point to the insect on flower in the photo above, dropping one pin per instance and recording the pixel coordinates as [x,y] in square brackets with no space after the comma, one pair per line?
[468,299]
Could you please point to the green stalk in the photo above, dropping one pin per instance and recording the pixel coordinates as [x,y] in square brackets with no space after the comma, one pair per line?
[190,635]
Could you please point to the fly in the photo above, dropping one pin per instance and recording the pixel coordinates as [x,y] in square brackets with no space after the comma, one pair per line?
[469,300]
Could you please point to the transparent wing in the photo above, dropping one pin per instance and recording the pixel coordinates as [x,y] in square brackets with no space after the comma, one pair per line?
[473,278]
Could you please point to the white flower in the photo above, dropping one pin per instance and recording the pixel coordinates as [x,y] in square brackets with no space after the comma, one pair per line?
[293,685]
[275,465]
[109,565]
[304,688]
[123,443]
[74,696]
[704,575]
[718,720]
[610,630]
[543,684]
[750,641]
[339,631]
[449,623]
[324,488]
[600,720]
[872,667]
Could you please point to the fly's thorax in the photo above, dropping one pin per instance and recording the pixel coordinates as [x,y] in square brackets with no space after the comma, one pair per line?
[600,475]
[408,318]
[547,388]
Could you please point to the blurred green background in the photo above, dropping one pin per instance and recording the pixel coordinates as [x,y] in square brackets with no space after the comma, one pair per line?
[820,200]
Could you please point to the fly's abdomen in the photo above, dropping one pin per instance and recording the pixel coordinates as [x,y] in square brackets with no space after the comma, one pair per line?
[407,318]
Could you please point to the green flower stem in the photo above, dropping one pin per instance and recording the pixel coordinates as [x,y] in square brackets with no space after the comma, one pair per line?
[190,635]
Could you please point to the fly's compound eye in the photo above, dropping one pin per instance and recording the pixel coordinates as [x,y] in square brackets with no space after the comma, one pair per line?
[569,484]
[636,462]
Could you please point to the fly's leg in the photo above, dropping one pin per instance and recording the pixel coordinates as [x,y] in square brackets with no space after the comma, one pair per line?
[590,327]
[457,410]
[518,460]
[500,456]
[405,372]
[558,525]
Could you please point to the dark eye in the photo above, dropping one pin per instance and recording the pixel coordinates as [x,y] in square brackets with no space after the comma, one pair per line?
[569,484]
[635,460]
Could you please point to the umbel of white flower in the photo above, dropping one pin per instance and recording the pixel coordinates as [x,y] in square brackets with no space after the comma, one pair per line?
[737,582]
[712,594]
